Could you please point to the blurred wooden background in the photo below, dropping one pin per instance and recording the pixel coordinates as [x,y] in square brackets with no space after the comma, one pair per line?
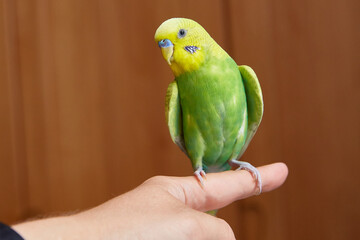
[82,87]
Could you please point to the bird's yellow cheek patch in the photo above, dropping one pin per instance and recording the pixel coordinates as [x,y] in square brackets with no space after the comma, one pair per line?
[184,61]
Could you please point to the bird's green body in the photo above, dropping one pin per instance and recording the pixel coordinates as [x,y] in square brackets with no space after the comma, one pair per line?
[213,107]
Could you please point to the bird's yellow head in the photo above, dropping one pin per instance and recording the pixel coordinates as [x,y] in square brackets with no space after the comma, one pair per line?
[185,44]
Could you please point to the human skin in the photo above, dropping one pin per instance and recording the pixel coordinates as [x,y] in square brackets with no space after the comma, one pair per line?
[160,208]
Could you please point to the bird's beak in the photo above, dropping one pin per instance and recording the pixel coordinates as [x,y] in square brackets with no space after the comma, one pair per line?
[167,49]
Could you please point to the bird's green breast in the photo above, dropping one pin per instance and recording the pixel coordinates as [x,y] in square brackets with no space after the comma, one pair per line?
[213,105]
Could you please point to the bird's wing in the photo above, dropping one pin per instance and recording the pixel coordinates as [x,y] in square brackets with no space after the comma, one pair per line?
[255,104]
[173,115]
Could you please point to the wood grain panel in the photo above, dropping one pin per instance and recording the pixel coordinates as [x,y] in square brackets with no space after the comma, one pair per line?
[304,54]
[13,171]
[8,187]
[321,113]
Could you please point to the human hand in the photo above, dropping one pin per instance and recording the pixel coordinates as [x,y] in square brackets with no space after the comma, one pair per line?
[160,208]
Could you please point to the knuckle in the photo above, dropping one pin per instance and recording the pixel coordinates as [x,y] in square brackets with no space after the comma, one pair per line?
[156,180]
[194,227]
[167,184]
[228,232]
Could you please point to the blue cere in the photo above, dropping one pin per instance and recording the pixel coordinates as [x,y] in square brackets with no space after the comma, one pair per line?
[165,43]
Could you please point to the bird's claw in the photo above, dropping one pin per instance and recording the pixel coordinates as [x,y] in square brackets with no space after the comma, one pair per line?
[252,170]
[200,175]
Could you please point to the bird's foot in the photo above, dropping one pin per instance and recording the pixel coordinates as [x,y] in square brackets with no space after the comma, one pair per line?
[200,175]
[250,168]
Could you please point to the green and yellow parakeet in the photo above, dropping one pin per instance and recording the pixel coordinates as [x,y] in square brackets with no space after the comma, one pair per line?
[213,107]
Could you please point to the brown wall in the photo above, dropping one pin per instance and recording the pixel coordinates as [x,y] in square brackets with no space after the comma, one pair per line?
[82,86]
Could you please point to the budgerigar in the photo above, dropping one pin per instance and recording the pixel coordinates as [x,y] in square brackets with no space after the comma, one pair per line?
[214,106]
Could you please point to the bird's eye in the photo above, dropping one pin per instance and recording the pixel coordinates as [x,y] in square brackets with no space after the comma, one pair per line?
[182,33]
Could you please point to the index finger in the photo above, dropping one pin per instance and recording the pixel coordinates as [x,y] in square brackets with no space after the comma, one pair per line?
[221,189]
